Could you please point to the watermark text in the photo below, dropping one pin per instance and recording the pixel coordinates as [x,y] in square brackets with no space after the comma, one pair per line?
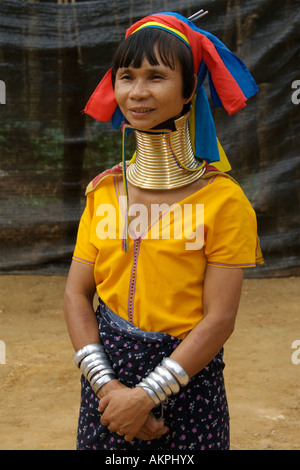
[296,354]
[2,352]
[155,459]
[2,92]
[160,221]
[296,94]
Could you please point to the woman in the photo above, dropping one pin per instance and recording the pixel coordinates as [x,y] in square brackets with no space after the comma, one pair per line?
[168,274]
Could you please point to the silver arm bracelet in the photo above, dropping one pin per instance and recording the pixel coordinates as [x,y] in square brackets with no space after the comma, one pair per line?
[155,387]
[100,382]
[95,366]
[164,380]
[176,369]
[172,382]
[91,365]
[161,382]
[99,375]
[86,350]
[97,370]
[93,357]
[150,392]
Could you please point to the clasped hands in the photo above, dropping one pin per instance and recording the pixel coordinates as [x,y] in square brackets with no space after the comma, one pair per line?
[127,411]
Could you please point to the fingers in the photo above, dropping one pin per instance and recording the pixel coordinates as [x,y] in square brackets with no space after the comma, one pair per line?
[155,426]
[129,421]
[127,436]
[152,429]
[115,423]
[148,436]
[102,404]
[145,436]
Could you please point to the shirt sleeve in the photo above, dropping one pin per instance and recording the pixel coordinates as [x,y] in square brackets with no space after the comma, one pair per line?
[231,238]
[85,252]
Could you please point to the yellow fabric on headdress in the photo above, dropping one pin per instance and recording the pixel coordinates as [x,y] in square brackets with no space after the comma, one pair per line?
[223,164]
[155,24]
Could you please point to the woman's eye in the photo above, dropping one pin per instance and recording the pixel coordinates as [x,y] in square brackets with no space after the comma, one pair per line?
[156,77]
[124,76]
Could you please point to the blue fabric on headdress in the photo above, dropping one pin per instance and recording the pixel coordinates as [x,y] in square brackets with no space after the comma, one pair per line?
[117,118]
[205,144]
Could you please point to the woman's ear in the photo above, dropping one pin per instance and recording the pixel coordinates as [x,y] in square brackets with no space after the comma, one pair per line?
[196,83]
[194,89]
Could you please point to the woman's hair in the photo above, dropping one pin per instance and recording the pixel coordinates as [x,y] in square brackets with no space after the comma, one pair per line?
[144,43]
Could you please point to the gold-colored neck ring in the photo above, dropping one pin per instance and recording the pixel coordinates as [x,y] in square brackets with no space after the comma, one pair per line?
[165,158]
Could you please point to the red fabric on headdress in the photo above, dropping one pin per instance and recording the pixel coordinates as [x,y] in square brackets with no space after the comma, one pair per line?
[102,103]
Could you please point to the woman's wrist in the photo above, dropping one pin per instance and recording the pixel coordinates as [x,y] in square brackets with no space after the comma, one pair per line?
[109,387]
[145,399]
[139,395]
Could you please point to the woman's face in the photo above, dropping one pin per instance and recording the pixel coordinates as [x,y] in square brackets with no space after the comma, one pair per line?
[150,94]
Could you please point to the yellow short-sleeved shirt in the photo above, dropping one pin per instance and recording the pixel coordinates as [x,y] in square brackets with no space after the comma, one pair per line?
[158,283]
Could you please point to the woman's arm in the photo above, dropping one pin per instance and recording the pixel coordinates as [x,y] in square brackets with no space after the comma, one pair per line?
[79,312]
[83,329]
[221,297]
[78,305]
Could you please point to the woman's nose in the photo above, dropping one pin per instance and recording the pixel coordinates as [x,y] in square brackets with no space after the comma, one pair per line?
[139,90]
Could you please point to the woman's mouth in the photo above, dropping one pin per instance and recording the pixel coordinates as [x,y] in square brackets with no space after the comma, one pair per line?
[141,111]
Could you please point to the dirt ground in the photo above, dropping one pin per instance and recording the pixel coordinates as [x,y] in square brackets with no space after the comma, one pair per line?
[39,385]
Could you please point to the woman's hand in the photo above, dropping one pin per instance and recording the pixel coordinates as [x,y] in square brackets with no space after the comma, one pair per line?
[152,428]
[127,411]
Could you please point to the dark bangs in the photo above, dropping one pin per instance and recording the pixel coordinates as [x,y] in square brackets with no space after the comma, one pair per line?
[142,45]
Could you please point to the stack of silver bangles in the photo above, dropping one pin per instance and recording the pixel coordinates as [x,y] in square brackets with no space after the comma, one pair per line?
[165,380]
[95,366]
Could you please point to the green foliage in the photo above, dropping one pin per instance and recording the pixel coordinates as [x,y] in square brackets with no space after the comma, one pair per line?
[28,144]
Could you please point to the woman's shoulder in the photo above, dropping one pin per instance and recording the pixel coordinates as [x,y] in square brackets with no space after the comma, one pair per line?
[211,174]
[223,180]
[225,190]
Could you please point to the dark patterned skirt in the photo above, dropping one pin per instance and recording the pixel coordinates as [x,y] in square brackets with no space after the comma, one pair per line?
[197,416]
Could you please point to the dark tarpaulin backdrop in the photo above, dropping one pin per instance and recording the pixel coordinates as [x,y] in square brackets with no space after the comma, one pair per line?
[52,56]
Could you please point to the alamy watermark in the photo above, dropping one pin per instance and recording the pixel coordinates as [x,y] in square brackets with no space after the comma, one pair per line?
[296,94]
[296,354]
[2,92]
[185,222]
[2,352]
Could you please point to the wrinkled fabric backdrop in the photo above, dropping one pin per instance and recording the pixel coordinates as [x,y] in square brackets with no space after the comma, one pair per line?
[52,56]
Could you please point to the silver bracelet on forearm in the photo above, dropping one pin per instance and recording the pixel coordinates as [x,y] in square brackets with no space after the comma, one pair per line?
[100,382]
[150,392]
[85,351]
[97,370]
[171,381]
[165,380]
[175,369]
[94,364]
[99,376]
[92,358]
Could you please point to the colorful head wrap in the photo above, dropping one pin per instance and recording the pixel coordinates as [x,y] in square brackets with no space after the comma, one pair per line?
[231,83]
